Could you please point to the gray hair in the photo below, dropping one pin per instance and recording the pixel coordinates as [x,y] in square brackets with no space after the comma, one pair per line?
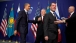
[43,9]
[72,7]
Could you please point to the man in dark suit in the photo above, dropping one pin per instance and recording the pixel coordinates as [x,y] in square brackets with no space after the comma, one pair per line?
[70,25]
[50,29]
[22,23]
[40,31]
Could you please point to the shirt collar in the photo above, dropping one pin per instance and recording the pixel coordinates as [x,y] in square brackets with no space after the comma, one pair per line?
[25,10]
[51,11]
[41,16]
[72,12]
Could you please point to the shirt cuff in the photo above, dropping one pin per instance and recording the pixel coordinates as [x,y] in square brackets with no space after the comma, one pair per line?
[64,21]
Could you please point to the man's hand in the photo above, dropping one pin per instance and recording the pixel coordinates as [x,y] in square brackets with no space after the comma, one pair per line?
[66,24]
[63,18]
[59,32]
[15,32]
[59,21]
[39,19]
[46,38]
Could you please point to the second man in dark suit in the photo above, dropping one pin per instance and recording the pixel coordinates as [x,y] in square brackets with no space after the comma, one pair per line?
[40,32]
[70,25]
[51,29]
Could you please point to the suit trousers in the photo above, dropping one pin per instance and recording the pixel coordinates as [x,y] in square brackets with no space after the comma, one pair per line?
[22,38]
[40,38]
[52,41]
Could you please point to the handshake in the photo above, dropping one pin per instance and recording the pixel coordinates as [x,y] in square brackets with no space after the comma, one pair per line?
[63,19]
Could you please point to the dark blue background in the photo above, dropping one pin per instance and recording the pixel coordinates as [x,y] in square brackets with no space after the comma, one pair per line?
[62,6]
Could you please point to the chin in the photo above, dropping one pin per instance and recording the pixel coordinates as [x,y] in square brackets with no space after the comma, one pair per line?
[53,10]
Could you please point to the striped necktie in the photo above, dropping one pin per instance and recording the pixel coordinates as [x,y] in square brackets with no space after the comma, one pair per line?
[69,16]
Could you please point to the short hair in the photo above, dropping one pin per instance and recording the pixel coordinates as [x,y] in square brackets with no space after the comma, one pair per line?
[72,6]
[43,9]
[26,4]
[52,2]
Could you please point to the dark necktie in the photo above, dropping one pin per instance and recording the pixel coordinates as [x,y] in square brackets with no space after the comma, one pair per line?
[27,16]
[69,16]
[54,14]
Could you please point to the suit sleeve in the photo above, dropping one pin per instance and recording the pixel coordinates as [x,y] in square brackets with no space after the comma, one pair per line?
[33,21]
[45,26]
[36,20]
[71,19]
[58,26]
[18,20]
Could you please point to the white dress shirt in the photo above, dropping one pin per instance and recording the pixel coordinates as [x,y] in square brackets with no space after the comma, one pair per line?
[71,14]
[52,12]
[25,11]
[27,14]
[42,18]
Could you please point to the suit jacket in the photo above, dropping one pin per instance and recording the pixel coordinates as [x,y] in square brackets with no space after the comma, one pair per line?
[40,26]
[50,29]
[22,22]
[71,24]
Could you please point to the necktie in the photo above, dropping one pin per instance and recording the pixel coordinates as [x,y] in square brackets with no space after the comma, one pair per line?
[69,16]
[27,16]
[54,14]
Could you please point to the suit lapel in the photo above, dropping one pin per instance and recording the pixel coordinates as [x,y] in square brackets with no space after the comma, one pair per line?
[24,12]
[52,15]
[26,15]
[41,17]
[72,15]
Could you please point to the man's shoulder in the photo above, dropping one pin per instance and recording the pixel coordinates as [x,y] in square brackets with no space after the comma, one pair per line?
[74,13]
[48,14]
[21,11]
[37,16]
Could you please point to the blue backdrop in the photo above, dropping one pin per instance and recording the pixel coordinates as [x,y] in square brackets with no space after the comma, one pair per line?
[62,6]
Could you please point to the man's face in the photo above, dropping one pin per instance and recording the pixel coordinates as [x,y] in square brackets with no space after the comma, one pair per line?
[53,7]
[71,9]
[43,12]
[27,7]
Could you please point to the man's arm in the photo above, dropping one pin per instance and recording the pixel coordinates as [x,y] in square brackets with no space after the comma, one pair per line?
[45,26]
[66,20]
[37,20]
[59,31]
[17,22]
[71,19]
[31,21]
